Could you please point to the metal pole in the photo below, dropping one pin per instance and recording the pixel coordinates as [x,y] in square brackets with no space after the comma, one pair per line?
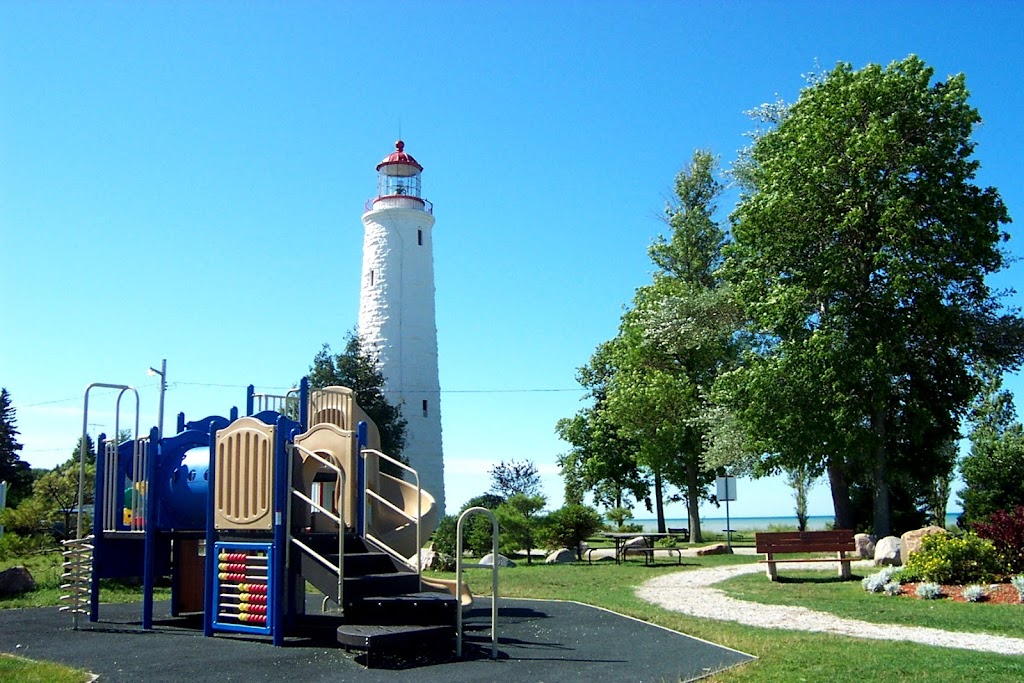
[163,389]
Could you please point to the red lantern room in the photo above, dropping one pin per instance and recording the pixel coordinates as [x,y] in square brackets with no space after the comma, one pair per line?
[398,180]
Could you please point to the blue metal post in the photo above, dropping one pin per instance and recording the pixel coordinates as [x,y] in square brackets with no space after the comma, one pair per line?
[149,529]
[181,423]
[209,604]
[97,530]
[282,482]
[304,403]
[362,439]
[249,401]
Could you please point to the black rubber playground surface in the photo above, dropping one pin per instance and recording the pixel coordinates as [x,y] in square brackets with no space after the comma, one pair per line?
[537,641]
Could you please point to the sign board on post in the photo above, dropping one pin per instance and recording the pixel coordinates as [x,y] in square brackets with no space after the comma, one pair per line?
[726,489]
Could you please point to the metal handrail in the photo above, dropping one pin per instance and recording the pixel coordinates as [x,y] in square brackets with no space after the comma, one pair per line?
[340,489]
[85,437]
[494,578]
[419,508]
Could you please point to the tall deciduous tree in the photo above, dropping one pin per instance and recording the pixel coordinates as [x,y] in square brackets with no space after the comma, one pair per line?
[356,369]
[993,470]
[677,337]
[13,469]
[860,250]
[601,461]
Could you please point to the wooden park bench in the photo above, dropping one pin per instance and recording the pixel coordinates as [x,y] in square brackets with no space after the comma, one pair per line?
[784,542]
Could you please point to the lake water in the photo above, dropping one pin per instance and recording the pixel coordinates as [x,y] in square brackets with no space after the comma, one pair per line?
[717,524]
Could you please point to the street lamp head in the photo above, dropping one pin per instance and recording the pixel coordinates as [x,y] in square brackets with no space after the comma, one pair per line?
[153,372]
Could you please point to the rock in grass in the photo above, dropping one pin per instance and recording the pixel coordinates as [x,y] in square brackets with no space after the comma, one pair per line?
[910,542]
[15,581]
[865,546]
[887,552]
[499,560]
[560,556]
[714,549]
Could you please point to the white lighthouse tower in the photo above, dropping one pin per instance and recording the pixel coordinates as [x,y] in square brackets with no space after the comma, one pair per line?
[396,309]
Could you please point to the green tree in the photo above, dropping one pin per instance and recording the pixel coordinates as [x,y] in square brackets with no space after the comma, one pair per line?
[519,522]
[993,469]
[357,370]
[860,250]
[601,461]
[569,526]
[13,469]
[513,477]
[679,335]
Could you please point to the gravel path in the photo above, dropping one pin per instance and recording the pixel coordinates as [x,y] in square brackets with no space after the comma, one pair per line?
[691,592]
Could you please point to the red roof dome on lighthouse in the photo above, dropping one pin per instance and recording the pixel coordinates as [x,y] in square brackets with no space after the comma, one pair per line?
[399,157]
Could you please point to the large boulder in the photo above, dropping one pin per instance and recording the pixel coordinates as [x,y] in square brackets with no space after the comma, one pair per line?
[887,552]
[910,542]
[500,560]
[865,546]
[714,549]
[636,542]
[15,581]
[560,556]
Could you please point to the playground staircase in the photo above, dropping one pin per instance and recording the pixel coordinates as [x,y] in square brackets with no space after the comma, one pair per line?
[384,606]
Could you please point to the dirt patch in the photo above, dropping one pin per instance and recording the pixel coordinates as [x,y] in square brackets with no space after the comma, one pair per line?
[996,594]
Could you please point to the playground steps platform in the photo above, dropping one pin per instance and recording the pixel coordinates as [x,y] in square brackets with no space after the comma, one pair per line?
[415,609]
[385,608]
[382,639]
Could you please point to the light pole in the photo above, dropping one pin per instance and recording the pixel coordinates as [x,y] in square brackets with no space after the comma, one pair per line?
[163,387]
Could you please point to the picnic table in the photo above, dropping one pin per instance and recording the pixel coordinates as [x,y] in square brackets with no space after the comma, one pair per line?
[622,546]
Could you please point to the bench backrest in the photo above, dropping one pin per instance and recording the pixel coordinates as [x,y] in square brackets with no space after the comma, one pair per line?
[805,541]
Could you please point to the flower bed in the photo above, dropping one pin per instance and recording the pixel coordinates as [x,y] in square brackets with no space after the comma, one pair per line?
[1000,593]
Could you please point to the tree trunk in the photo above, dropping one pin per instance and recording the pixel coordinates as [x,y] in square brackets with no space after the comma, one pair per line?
[840,495]
[880,507]
[693,502]
[659,504]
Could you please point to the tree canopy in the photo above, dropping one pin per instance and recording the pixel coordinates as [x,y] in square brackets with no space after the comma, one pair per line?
[356,369]
[13,469]
[860,250]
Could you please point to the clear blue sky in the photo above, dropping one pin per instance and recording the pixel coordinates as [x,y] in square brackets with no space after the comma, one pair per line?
[185,181]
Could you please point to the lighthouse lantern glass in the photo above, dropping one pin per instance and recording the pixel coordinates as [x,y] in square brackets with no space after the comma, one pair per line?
[398,179]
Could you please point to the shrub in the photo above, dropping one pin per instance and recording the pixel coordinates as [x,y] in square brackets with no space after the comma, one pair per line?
[1018,583]
[974,593]
[570,525]
[893,588]
[928,591]
[1006,531]
[876,583]
[949,559]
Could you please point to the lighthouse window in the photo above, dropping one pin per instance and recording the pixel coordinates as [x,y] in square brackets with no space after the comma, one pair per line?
[419,237]
[371,278]
[424,407]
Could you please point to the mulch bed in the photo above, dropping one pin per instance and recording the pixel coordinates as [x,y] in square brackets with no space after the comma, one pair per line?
[997,594]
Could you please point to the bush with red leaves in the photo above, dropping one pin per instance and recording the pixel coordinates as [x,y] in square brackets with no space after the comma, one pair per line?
[1006,531]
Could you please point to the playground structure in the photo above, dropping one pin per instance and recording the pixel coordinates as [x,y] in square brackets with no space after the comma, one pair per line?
[239,513]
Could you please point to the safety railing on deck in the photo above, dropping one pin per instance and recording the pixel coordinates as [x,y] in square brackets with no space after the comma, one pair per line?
[287,404]
[339,568]
[367,520]
[136,487]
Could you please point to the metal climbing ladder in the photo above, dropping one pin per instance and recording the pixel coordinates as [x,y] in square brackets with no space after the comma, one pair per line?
[77,577]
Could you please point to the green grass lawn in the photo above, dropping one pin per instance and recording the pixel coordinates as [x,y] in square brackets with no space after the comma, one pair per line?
[785,656]
[29,671]
[823,591]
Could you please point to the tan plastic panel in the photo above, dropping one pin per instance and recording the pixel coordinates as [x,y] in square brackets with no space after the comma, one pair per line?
[337,406]
[339,447]
[393,528]
[244,476]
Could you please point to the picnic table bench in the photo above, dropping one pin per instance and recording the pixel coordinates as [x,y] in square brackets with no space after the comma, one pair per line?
[839,541]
